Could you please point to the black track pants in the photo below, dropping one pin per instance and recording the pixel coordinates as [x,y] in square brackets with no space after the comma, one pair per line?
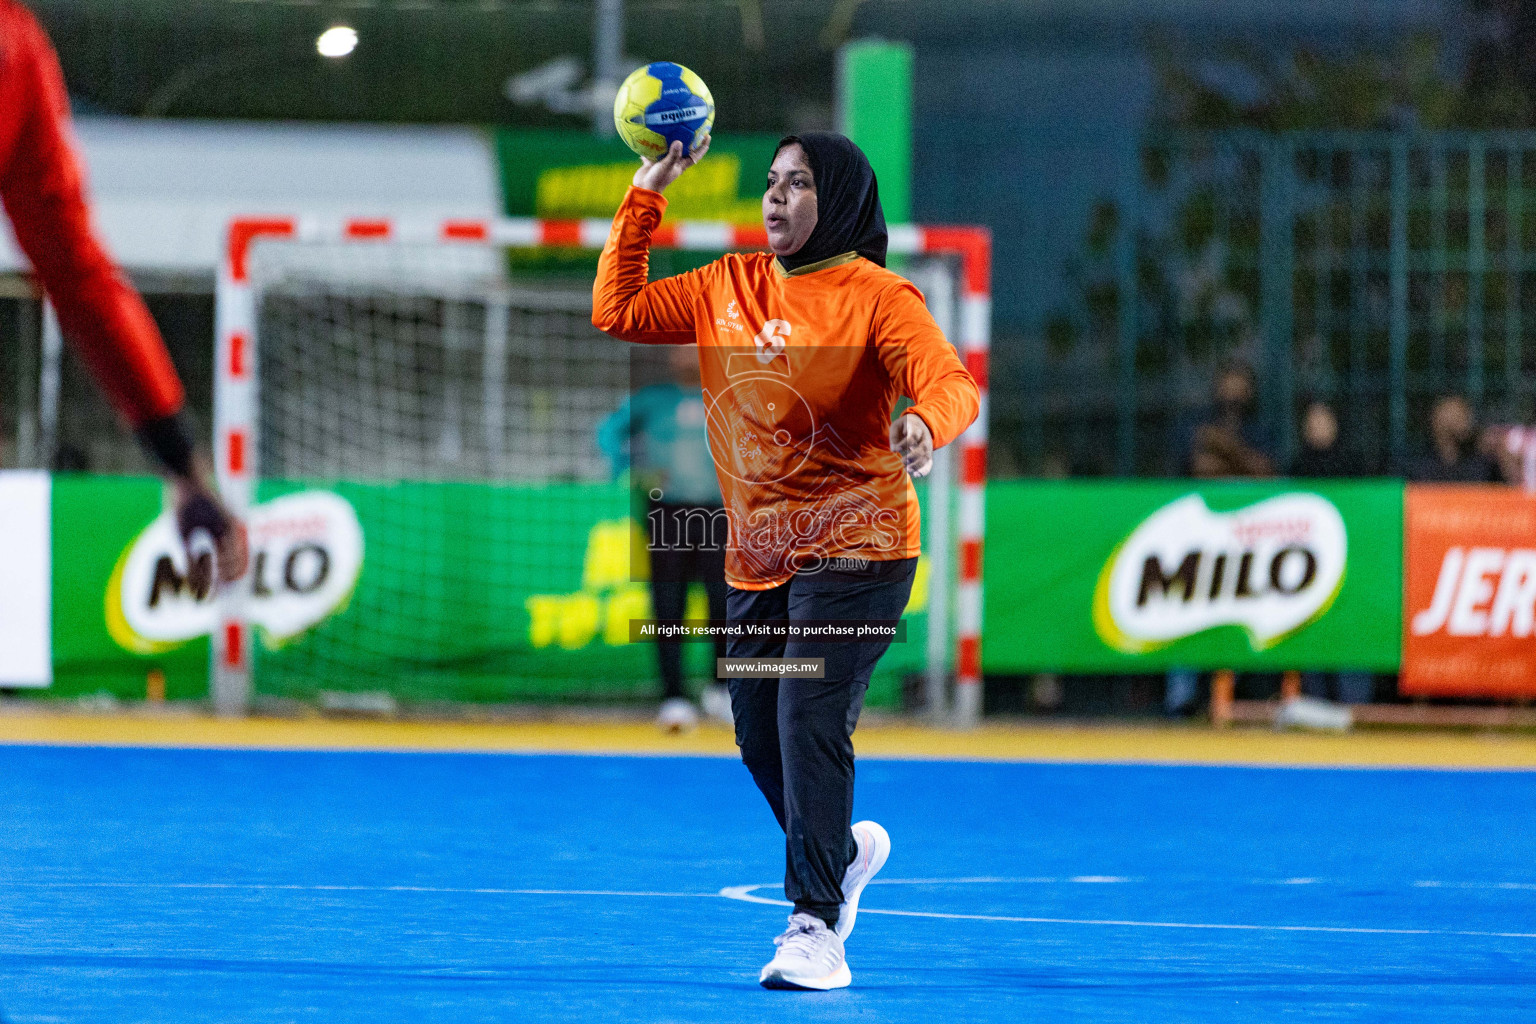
[796,735]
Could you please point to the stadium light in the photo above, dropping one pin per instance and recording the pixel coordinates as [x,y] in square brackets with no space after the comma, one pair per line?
[337,41]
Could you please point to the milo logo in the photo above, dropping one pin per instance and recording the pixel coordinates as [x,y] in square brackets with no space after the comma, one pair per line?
[1270,568]
[306,555]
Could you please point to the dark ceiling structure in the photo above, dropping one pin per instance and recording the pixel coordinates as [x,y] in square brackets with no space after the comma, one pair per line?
[767,61]
[770,63]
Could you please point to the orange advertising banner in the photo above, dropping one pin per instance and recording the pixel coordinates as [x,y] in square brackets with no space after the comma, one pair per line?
[1469,611]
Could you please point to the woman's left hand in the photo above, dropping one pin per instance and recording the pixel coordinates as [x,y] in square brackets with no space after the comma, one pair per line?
[911,438]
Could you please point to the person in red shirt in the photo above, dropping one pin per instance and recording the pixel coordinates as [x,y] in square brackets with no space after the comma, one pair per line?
[804,353]
[43,188]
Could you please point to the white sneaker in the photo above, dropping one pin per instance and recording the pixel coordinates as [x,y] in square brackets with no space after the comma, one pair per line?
[874,845]
[716,700]
[810,956]
[678,715]
[1312,713]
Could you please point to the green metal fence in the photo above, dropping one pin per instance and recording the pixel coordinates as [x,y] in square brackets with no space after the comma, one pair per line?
[1377,270]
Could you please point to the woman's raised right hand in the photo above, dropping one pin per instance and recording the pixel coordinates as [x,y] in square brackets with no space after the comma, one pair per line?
[656,175]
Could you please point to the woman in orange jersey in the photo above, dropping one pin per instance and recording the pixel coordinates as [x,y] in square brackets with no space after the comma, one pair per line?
[804,353]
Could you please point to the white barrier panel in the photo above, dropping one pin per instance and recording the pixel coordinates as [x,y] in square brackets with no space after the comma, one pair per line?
[26,601]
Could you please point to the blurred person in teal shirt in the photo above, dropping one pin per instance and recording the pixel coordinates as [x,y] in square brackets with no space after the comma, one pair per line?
[659,435]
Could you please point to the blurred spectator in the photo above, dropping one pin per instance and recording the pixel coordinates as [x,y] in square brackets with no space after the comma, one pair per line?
[1323,457]
[1513,448]
[659,433]
[1454,455]
[1225,443]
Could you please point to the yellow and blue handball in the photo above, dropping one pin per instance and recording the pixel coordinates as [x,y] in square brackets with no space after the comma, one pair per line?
[660,104]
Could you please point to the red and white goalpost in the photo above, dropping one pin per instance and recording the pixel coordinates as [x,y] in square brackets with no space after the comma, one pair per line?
[237,416]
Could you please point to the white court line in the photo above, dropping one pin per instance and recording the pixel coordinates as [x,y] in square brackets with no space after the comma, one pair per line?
[746,894]
[277,887]
[257,886]
[1474,885]
[482,890]
[993,879]
[977,880]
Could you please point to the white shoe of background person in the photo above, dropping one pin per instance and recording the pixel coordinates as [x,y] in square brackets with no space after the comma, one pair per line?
[716,700]
[678,715]
[810,956]
[874,845]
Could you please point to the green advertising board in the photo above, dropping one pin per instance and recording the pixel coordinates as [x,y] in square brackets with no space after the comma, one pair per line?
[1137,576]
[568,175]
[473,592]
[94,520]
[429,591]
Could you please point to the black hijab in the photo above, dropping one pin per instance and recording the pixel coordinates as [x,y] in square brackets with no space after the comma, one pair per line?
[848,214]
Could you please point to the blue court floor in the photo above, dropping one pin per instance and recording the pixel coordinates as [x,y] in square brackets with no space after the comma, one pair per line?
[175,885]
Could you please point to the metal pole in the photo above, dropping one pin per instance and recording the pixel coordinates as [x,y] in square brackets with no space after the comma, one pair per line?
[28,362]
[450,438]
[1437,243]
[1276,294]
[975,345]
[494,373]
[1359,289]
[236,447]
[1320,381]
[1398,329]
[1127,326]
[940,549]
[941,299]
[1476,265]
[50,376]
[607,55]
[1513,193]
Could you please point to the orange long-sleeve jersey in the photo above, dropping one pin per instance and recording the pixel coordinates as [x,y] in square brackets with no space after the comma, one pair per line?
[44,192]
[801,372]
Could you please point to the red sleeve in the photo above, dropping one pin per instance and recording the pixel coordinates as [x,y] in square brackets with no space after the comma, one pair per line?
[43,188]
[625,303]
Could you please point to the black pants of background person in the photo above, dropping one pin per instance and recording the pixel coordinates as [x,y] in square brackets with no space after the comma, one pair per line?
[685,543]
[796,735]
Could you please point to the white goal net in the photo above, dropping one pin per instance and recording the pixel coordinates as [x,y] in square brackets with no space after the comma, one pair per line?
[412,427]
